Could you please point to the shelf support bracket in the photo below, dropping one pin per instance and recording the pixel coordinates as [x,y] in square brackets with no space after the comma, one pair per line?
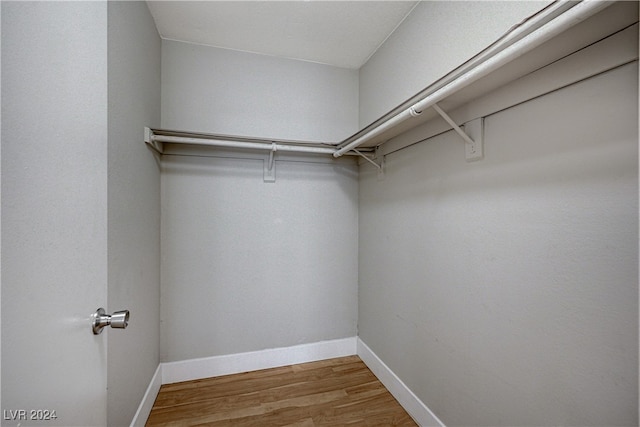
[272,153]
[151,142]
[473,148]
[380,166]
[269,165]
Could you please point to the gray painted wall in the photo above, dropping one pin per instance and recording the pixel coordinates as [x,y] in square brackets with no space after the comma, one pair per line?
[134,206]
[248,265]
[214,90]
[435,38]
[505,292]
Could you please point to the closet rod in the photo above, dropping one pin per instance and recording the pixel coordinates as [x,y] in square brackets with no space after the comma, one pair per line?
[268,146]
[573,16]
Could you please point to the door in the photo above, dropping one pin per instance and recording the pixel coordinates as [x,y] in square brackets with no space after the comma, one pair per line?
[54,212]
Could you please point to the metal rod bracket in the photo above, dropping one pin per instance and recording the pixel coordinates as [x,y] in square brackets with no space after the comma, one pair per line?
[475,129]
[270,165]
[380,166]
[151,142]
[473,148]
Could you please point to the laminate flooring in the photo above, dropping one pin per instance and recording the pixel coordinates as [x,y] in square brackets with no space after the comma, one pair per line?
[333,392]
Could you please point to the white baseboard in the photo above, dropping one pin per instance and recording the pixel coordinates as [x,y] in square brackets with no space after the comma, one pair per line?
[409,401]
[193,369]
[142,414]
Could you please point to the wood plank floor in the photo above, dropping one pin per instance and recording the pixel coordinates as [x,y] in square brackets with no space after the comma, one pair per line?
[332,392]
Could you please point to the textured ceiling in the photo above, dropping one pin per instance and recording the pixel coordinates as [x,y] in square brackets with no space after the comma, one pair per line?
[340,33]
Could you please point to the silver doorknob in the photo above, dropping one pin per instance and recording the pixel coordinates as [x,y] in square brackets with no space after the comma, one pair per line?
[119,320]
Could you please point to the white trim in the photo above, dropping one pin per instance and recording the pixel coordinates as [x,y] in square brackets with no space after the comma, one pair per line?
[142,414]
[193,369]
[407,399]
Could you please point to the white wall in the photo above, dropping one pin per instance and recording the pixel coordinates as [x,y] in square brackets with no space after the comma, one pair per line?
[134,206]
[54,206]
[248,265]
[505,292]
[436,37]
[222,91]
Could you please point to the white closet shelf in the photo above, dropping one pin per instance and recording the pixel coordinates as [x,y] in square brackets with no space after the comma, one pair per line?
[156,138]
[511,57]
